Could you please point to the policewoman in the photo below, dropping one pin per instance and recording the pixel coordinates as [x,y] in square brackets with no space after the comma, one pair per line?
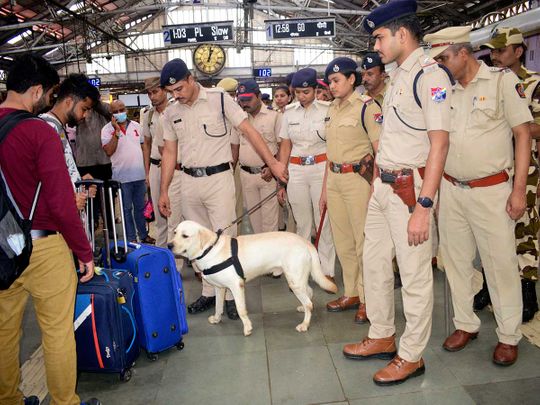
[303,145]
[350,151]
[196,129]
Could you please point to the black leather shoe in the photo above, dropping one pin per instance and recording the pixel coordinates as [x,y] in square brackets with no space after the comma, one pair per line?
[201,304]
[530,301]
[230,308]
[482,299]
[91,401]
[32,400]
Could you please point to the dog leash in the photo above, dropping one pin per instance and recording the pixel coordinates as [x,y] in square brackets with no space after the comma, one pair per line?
[251,210]
[319,231]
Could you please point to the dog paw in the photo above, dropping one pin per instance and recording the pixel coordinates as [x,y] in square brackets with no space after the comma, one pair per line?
[302,327]
[214,319]
[300,308]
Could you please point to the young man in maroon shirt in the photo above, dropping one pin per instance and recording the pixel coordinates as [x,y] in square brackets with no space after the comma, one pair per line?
[32,153]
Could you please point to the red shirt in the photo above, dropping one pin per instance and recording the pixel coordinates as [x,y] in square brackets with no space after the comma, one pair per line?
[32,152]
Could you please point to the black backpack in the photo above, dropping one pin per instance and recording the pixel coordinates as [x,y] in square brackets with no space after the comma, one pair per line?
[15,238]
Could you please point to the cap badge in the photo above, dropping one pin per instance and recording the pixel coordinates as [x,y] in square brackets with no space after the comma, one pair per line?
[335,68]
[242,89]
[370,60]
[172,80]
[305,84]
[370,24]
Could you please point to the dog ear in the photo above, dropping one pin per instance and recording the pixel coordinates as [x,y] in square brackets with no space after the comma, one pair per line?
[203,238]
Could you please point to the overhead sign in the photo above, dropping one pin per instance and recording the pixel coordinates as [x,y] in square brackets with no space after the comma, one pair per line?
[262,72]
[218,31]
[95,81]
[300,28]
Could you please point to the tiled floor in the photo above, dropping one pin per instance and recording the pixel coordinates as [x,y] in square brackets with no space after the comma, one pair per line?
[277,365]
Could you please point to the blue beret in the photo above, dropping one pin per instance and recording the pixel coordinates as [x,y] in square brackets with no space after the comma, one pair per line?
[306,77]
[247,89]
[388,12]
[371,60]
[173,71]
[341,64]
[288,78]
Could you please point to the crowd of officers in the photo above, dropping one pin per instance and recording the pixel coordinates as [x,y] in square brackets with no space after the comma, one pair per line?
[443,139]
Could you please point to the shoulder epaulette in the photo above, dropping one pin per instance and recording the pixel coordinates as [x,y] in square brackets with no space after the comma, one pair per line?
[214,90]
[366,99]
[499,69]
[323,103]
[292,105]
[428,64]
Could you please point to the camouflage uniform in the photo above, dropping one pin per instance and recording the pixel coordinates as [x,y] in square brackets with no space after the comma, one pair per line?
[528,225]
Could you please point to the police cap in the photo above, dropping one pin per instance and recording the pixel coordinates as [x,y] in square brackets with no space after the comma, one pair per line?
[371,60]
[440,41]
[173,71]
[392,10]
[504,36]
[306,77]
[288,78]
[247,89]
[341,64]
[228,84]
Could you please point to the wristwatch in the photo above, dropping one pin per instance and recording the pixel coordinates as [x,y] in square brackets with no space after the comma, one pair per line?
[425,202]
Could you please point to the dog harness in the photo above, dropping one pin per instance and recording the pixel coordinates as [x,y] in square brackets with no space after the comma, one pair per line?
[231,261]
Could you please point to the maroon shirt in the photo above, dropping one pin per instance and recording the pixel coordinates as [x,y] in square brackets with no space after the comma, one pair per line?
[32,152]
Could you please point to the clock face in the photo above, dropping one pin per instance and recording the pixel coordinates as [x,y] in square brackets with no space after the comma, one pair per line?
[209,59]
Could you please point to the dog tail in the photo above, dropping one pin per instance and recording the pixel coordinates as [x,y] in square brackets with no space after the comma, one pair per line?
[317,274]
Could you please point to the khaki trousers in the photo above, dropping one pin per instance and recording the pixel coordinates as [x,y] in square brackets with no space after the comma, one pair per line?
[304,192]
[52,282]
[211,202]
[386,231]
[477,218]
[160,224]
[255,189]
[348,196]
[175,198]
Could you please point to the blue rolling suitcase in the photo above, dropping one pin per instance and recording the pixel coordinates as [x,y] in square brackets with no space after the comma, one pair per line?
[105,326]
[159,305]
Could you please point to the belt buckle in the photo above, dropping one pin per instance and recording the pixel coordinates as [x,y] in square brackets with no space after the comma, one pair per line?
[200,172]
[462,184]
[336,168]
[308,160]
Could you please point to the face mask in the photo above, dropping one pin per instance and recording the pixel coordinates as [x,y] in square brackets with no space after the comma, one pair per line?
[121,117]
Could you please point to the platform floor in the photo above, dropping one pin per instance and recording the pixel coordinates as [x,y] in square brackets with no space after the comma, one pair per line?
[277,365]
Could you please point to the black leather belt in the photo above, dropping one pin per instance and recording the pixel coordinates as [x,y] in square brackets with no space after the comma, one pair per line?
[156,162]
[252,169]
[206,171]
[40,234]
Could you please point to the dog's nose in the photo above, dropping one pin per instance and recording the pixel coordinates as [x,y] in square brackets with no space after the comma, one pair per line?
[170,246]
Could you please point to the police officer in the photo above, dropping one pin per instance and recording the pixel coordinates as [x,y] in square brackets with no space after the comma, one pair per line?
[196,129]
[230,85]
[374,76]
[257,181]
[323,91]
[479,203]
[303,145]
[412,151]
[349,172]
[153,138]
[508,50]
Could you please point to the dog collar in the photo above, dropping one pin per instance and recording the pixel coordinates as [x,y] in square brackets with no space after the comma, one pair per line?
[209,248]
[231,261]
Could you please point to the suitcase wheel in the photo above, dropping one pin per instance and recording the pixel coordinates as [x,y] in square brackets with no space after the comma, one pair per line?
[126,375]
[152,356]
[147,275]
[180,345]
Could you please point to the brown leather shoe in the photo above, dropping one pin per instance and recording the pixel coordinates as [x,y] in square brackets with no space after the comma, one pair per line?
[398,371]
[343,304]
[458,340]
[368,348]
[361,315]
[505,355]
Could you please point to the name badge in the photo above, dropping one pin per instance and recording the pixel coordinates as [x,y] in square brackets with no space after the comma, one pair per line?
[177,121]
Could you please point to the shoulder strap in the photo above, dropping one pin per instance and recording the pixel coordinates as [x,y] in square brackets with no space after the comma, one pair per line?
[420,73]
[222,104]
[363,114]
[150,116]
[236,261]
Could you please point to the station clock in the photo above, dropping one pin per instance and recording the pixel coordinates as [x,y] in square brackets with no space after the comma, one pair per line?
[209,59]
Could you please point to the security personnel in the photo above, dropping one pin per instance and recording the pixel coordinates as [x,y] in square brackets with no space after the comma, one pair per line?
[412,151]
[479,203]
[374,76]
[508,50]
[256,179]
[230,85]
[303,145]
[153,138]
[346,188]
[323,91]
[196,128]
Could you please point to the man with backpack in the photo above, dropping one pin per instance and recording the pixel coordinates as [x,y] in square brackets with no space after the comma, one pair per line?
[30,155]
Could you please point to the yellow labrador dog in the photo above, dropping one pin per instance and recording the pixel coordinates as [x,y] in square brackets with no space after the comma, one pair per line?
[258,254]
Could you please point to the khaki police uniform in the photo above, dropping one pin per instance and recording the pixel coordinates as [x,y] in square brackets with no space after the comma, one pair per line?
[305,128]
[152,128]
[483,115]
[203,135]
[348,193]
[404,143]
[254,188]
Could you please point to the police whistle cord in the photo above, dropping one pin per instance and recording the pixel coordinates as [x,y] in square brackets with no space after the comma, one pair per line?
[319,231]
[251,210]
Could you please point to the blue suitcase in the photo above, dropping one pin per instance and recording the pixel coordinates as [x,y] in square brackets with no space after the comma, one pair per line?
[159,304]
[105,326]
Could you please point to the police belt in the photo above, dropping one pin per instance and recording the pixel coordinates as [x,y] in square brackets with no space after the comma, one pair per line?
[252,169]
[156,162]
[206,171]
[492,180]
[308,160]
[40,234]
[389,176]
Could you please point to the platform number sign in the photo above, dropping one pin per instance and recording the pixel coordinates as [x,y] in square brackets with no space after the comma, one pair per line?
[300,28]
[262,72]
[95,81]
[219,31]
